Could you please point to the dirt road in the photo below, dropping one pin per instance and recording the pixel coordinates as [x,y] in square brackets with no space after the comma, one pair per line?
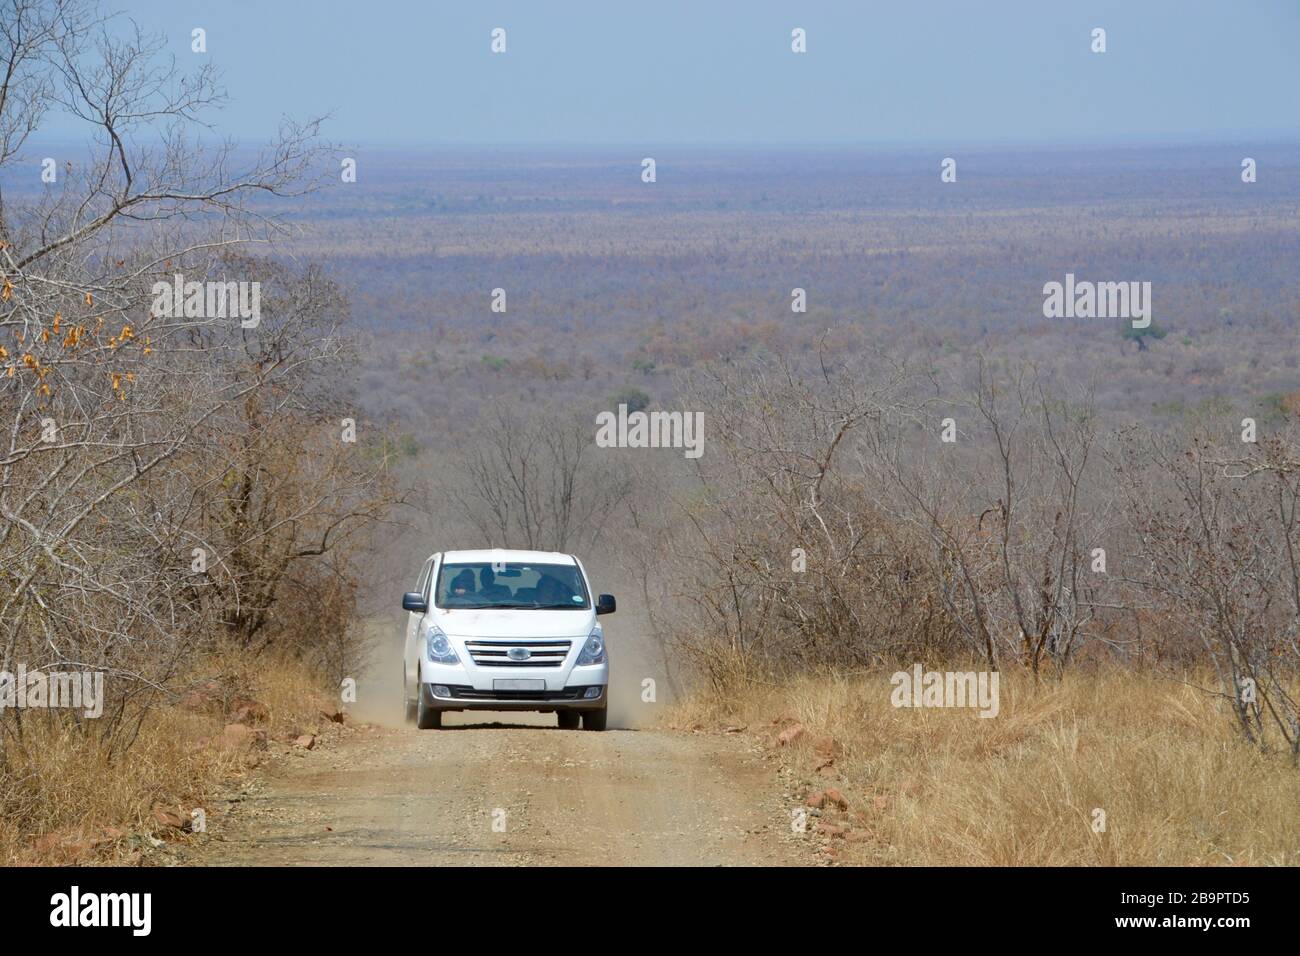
[483,792]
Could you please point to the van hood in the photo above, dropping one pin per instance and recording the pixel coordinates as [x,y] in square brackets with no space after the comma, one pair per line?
[518,623]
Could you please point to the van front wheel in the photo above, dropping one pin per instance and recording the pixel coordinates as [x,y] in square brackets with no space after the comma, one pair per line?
[594,719]
[426,718]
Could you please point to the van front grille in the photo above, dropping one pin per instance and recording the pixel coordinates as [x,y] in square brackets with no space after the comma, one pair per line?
[494,652]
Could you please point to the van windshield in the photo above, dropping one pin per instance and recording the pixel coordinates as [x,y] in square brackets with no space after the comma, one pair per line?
[547,587]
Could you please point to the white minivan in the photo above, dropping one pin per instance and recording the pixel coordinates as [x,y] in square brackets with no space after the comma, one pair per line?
[505,630]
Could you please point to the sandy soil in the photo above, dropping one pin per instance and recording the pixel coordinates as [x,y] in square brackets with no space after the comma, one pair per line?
[486,792]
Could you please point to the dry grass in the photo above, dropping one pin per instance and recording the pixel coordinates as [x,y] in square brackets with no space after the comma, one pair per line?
[945,787]
[63,788]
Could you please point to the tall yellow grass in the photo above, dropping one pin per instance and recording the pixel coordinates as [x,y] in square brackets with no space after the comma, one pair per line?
[946,787]
[64,782]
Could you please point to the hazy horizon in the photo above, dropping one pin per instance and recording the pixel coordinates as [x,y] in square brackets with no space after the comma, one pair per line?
[941,75]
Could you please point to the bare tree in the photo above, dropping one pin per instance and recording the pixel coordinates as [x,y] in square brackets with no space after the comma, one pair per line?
[535,480]
[1012,520]
[1216,527]
[125,425]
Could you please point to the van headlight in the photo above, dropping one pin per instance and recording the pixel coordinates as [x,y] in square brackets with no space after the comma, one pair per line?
[438,648]
[593,652]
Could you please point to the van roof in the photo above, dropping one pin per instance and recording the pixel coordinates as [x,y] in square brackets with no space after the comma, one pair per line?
[503,556]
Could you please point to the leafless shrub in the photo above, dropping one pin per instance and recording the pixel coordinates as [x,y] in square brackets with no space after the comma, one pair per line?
[1033,538]
[1216,526]
[1011,519]
[533,479]
[780,558]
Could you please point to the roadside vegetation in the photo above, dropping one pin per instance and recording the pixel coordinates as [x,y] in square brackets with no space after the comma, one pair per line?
[178,502]
[1134,590]
[1108,767]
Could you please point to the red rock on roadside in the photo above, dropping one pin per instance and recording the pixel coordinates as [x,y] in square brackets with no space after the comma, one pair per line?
[169,819]
[790,734]
[201,696]
[65,846]
[249,712]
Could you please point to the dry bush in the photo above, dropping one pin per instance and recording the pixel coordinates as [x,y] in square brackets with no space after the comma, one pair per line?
[773,552]
[143,442]
[1034,540]
[1215,520]
[316,620]
[1013,511]
[531,479]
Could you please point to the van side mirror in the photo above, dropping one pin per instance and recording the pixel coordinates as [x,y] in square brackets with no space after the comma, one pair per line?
[605,604]
[414,601]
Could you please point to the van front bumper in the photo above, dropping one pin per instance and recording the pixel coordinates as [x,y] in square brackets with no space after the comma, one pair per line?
[466,697]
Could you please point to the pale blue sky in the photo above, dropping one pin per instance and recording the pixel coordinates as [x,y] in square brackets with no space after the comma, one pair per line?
[615,72]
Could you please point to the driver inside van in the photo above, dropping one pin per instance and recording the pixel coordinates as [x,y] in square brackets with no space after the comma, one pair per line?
[550,591]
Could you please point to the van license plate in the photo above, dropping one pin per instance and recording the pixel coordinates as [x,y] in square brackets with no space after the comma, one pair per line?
[519,683]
